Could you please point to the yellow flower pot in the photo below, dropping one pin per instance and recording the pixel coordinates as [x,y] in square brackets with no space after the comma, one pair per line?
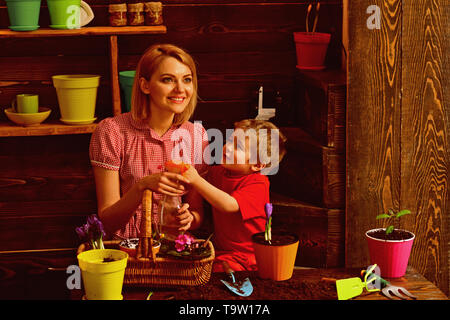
[77,95]
[103,280]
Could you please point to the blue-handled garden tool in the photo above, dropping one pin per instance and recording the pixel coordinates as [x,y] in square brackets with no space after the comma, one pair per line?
[242,288]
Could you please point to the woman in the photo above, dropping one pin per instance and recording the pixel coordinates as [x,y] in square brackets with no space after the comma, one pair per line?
[128,151]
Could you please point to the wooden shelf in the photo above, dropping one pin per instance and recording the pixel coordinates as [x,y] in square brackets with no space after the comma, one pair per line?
[85,31]
[9,129]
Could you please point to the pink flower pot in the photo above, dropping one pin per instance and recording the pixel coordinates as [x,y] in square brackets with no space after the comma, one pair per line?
[390,255]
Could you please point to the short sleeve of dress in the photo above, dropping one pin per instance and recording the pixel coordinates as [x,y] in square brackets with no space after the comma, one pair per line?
[106,145]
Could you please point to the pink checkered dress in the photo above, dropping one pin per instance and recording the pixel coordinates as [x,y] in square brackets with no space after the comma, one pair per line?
[135,150]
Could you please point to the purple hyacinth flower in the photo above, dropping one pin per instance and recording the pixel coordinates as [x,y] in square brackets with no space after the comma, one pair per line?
[268,209]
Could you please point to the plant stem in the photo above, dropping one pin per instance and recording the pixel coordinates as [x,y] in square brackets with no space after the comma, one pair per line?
[307,17]
[316,17]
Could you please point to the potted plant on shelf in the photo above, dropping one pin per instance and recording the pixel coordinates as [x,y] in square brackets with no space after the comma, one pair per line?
[102,270]
[275,251]
[311,47]
[389,247]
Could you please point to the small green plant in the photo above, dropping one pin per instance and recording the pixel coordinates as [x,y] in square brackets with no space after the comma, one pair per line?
[391,215]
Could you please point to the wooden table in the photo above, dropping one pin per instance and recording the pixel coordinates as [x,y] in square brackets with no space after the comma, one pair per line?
[305,284]
[26,276]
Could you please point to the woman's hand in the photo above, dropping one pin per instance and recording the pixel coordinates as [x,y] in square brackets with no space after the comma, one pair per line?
[184,218]
[164,182]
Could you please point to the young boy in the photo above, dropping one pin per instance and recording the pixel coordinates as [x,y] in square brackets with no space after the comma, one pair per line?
[238,192]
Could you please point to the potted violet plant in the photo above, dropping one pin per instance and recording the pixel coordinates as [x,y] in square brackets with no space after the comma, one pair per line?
[390,247]
[275,251]
[102,270]
[186,247]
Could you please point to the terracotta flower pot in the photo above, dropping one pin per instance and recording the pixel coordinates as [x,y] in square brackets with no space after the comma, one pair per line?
[275,261]
[311,49]
[390,255]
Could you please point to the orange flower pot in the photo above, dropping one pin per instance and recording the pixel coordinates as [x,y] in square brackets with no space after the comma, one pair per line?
[275,261]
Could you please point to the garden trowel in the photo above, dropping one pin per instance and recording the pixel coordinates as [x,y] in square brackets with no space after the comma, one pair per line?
[352,287]
[241,288]
[349,288]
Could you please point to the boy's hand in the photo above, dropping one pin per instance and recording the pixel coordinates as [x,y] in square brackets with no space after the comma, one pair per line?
[184,217]
[191,175]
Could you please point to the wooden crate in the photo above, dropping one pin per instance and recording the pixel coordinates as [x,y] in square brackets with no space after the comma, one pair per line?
[310,172]
[321,231]
[321,105]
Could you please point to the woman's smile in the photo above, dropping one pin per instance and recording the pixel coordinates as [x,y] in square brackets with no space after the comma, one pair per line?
[177,99]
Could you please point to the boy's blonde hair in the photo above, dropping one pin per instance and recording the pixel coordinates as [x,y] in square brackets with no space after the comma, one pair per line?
[150,60]
[265,135]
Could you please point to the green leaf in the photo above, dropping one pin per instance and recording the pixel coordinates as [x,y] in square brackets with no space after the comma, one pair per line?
[389,229]
[402,213]
[174,253]
[383,216]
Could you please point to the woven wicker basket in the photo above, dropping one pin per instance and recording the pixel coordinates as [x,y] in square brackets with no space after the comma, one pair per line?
[147,270]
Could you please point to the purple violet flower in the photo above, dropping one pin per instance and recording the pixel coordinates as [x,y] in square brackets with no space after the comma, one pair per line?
[183,241]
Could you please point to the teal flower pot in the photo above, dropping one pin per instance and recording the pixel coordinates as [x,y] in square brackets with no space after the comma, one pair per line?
[126,80]
[23,14]
[64,14]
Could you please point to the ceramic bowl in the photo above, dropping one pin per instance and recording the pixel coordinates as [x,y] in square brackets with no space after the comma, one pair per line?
[28,119]
[130,246]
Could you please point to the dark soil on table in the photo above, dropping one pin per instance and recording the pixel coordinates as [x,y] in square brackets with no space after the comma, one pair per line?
[395,235]
[263,289]
[109,259]
[278,238]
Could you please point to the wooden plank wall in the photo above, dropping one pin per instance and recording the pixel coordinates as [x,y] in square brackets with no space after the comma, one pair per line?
[398,129]
[46,184]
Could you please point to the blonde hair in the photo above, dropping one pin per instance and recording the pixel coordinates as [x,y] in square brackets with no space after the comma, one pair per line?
[265,135]
[150,60]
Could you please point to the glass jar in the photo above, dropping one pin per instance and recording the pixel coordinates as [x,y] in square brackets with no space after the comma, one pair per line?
[117,14]
[136,14]
[168,208]
[153,13]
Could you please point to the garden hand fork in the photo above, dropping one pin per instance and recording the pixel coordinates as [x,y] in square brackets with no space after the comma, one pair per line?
[388,289]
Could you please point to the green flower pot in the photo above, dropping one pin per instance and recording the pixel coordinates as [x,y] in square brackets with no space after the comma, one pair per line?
[126,80]
[64,14]
[23,14]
